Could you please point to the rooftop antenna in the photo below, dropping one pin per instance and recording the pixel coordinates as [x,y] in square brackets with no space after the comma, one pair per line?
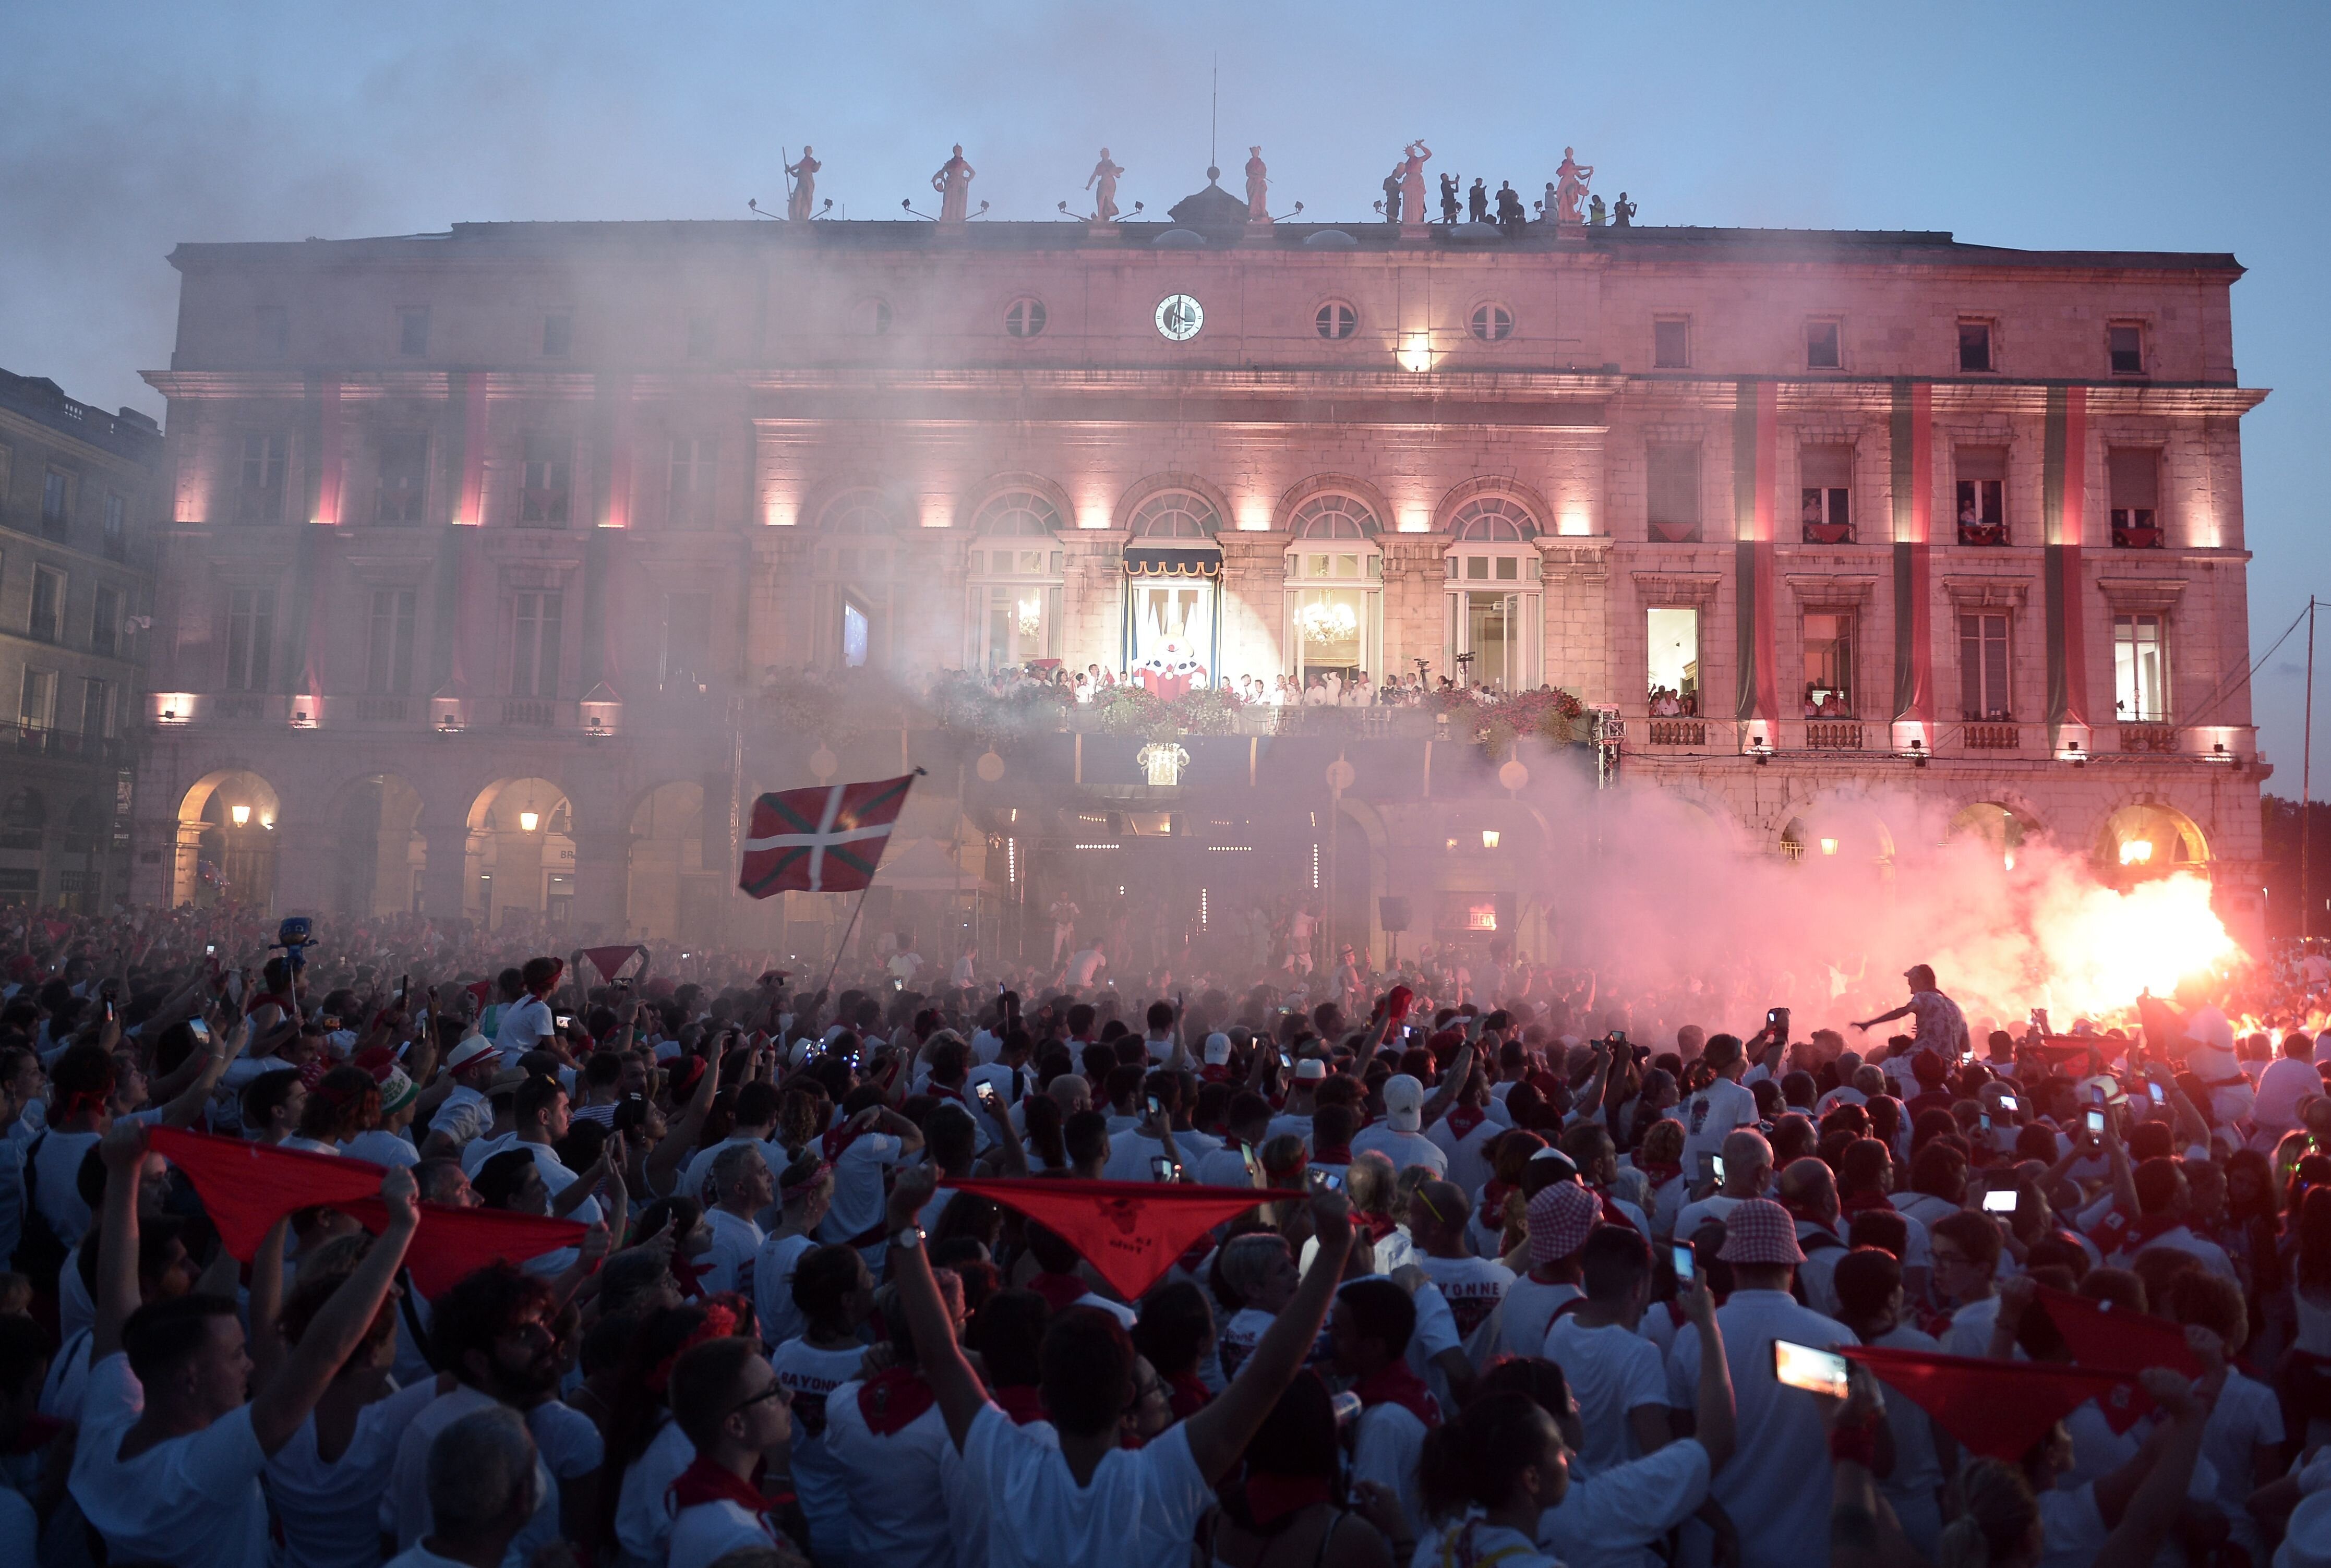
[1213,118]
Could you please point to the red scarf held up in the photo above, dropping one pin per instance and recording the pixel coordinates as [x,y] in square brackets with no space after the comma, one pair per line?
[893,1401]
[2101,1336]
[1997,1409]
[1130,1232]
[1022,1401]
[705,1482]
[1397,1382]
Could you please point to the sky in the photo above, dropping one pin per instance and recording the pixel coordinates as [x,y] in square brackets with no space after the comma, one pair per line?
[2136,124]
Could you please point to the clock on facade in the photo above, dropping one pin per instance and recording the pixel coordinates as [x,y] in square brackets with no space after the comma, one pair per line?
[1179,318]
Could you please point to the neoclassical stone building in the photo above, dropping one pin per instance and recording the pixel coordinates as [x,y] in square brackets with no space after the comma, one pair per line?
[484,541]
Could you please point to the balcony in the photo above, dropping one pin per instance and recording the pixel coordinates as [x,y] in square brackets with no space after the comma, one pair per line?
[384,710]
[1691,732]
[2132,530]
[2155,738]
[1991,735]
[1833,734]
[64,745]
[1989,533]
[1829,532]
[529,712]
[236,707]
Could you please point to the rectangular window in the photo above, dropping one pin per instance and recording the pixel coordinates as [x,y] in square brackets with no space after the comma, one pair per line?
[854,628]
[694,464]
[2140,670]
[388,671]
[543,492]
[558,334]
[1982,670]
[687,644]
[1672,344]
[260,493]
[46,623]
[56,495]
[534,656]
[2135,472]
[105,620]
[1671,487]
[96,709]
[274,330]
[249,634]
[2125,341]
[1983,495]
[699,336]
[1975,345]
[1825,492]
[36,699]
[1822,346]
[404,476]
[413,332]
[1674,662]
[117,528]
[1829,666]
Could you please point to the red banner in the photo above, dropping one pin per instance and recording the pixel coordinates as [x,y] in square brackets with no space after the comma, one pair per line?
[1130,1232]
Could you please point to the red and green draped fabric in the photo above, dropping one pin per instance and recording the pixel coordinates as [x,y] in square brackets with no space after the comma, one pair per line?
[1130,1232]
[826,840]
[1755,444]
[2063,505]
[1913,452]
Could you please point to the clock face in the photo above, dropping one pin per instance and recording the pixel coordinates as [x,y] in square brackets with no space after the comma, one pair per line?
[1179,318]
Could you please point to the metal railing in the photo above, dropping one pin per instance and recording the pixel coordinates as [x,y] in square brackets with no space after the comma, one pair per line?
[38,740]
[2149,738]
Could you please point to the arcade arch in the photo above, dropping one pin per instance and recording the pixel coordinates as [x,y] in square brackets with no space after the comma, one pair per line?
[2002,827]
[2147,839]
[226,841]
[518,861]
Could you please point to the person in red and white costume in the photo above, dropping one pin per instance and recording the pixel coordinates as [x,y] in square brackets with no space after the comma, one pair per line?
[900,1468]
[1370,1328]
[728,1400]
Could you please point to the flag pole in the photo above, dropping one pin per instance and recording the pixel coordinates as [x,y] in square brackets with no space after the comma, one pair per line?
[842,946]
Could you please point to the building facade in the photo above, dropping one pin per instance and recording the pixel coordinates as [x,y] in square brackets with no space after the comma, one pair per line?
[512,524]
[78,496]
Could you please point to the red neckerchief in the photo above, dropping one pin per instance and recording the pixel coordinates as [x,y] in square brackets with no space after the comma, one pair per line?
[1659,1172]
[1058,1290]
[1379,1226]
[1215,1073]
[1849,1204]
[1493,1205]
[1234,1145]
[1464,1119]
[1801,1218]
[1189,1395]
[1270,1498]
[893,1401]
[840,1138]
[1935,1324]
[1022,1401]
[706,1482]
[2134,1236]
[1612,1213]
[688,1274]
[1332,1155]
[1395,1382]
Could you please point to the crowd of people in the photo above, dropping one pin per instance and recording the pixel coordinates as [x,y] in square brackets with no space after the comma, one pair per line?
[397,1242]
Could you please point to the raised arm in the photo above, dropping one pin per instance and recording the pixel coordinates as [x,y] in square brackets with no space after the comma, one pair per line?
[122,1152]
[225,1045]
[1715,1428]
[267,1302]
[1218,1433]
[283,1402]
[2160,1492]
[680,1142]
[958,1387]
[1902,1012]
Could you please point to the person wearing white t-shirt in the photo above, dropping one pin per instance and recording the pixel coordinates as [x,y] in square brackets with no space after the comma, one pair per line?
[805,1189]
[1370,1328]
[525,1021]
[1438,1220]
[729,1400]
[1747,1169]
[863,1149]
[1614,1373]
[167,1464]
[742,1184]
[1089,1502]
[1400,1137]
[482,1478]
[1710,1114]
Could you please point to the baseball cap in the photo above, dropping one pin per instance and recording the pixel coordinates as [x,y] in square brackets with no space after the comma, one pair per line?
[1218,1048]
[1760,1231]
[1560,1219]
[1403,1099]
[1310,1069]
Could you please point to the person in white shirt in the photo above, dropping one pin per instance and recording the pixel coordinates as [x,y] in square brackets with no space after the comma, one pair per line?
[1439,1219]
[806,1190]
[1869,1286]
[901,1473]
[1089,1502]
[1487,1479]
[524,1023]
[1369,1329]
[1614,1373]
[1964,1250]
[481,1480]
[863,1149]
[462,1114]
[1777,1487]
[1710,1115]
[1747,1167]
[1559,1216]
[1400,1137]
[741,1182]
[167,1464]
[729,1400]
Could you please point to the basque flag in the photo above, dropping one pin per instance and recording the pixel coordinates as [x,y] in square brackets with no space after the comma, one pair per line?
[824,840]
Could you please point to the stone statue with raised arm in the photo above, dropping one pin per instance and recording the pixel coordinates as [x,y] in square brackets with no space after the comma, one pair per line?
[1102,182]
[953,183]
[1569,190]
[1411,183]
[798,206]
[1258,188]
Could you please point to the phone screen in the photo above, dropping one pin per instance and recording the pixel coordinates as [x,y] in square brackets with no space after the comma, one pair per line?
[1814,1371]
[1719,1165]
[986,1093]
[1687,1263]
[1151,1101]
[2007,1103]
[2002,1201]
[1986,1121]
[1253,1165]
[1161,1168]
[2154,1089]
[1326,1182]
[200,1030]
[2097,1123]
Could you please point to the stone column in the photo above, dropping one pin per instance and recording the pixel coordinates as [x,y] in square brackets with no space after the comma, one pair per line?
[304,853]
[602,881]
[442,873]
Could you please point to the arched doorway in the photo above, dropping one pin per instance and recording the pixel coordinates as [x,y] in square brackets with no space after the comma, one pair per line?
[380,852]
[226,841]
[2003,828]
[2140,842]
[668,892]
[518,862]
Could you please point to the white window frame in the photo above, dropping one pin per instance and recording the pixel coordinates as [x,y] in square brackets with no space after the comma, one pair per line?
[1335,321]
[2141,691]
[1836,344]
[1973,706]
[1025,317]
[537,628]
[1492,322]
[250,639]
[59,604]
[389,641]
[692,483]
[1492,554]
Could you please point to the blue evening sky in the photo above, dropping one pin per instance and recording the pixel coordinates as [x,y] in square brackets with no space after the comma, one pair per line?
[2137,125]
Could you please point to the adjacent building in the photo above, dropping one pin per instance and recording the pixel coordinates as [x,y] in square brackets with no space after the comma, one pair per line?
[483,546]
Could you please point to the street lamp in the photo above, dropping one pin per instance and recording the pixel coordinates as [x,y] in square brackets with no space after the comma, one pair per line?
[527,821]
[242,815]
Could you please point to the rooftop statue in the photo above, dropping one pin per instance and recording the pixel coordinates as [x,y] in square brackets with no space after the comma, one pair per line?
[804,174]
[1102,182]
[1411,183]
[953,183]
[1570,191]
[1258,188]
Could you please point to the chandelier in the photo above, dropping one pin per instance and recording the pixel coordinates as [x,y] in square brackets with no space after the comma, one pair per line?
[1324,624]
[1031,616]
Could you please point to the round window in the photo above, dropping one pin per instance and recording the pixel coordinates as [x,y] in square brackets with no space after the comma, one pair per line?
[1336,321]
[1492,323]
[1024,317]
[878,317]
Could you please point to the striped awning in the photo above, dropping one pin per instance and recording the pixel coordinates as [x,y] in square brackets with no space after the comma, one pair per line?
[1149,561]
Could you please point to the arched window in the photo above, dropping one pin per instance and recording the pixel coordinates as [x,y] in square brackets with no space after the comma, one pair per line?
[1492,520]
[1334,517]
[857,513]
[1023,514]
[1176,515]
